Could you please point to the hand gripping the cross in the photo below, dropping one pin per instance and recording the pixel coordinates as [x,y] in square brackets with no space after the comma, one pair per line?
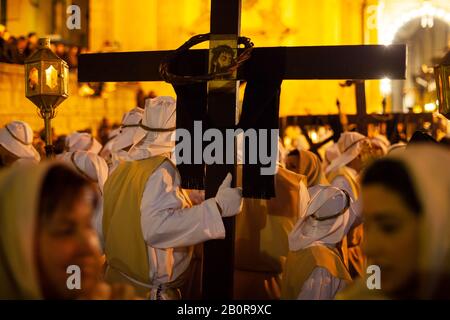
[229,200]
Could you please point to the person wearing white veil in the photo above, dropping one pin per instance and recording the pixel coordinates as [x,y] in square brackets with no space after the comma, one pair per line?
[343,172]
[149,225]
[82,141]
[381,144]
[406,209]
[315,269]
[331,153]
[16,144]
[45,210]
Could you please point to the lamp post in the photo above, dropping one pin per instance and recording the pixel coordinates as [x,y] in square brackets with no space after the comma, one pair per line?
[442,75]
[46,85]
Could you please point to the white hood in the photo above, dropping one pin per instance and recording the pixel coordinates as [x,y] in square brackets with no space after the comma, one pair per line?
[156,134]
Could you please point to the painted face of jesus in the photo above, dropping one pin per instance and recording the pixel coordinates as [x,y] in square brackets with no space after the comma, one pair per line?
[224,60]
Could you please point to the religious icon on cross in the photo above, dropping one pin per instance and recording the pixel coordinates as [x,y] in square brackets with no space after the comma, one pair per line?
[223,56]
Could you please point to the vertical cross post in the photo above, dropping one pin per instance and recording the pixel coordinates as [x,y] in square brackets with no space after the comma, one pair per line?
[218,262]
[361,111]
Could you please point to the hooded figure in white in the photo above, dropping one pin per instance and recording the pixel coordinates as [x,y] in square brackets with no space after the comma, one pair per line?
[313,242]
[381,143]
[343,172]
[127,137]
[170,226]
[16,140]
[88,164]
[82,142]
[106,151]
[331,153]
[340,173]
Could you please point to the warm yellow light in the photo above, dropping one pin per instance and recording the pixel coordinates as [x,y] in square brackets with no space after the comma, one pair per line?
[417,109]
[385,86]
[287,143]
[85,90]
[429,107]
[51,77]
[314,137]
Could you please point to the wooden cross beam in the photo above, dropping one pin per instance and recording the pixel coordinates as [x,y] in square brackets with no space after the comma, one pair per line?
[356,62]
[332,62]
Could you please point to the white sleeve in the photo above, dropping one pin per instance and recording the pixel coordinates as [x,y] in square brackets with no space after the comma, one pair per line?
[97,221]
[321,285]
[166,220]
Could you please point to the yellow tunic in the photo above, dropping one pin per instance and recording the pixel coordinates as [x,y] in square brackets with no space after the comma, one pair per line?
[125,248]
[300,264]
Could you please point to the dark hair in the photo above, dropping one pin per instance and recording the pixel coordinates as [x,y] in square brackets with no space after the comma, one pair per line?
[421,137]
[294,152]
[394,176]
[60,190]
[60,144]
[445,142]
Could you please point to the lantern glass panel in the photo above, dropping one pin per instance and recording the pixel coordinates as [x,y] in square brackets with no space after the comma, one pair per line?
[33,79]
[50,80]
[51,77]
[66,80]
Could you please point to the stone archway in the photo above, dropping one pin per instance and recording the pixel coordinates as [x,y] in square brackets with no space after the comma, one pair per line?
[426,44]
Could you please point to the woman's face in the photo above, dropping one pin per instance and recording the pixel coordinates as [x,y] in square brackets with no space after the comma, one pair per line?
[67,238]
[391,232]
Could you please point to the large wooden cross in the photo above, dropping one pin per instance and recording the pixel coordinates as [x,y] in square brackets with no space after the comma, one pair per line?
[316,62]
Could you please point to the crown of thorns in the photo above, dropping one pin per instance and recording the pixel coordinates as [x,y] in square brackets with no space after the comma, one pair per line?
[184,79]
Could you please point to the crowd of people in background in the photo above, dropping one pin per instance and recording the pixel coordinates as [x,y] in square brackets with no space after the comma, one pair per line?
[15,49]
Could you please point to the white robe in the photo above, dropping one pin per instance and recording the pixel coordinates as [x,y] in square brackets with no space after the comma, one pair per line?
[169,227]
[321,285]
